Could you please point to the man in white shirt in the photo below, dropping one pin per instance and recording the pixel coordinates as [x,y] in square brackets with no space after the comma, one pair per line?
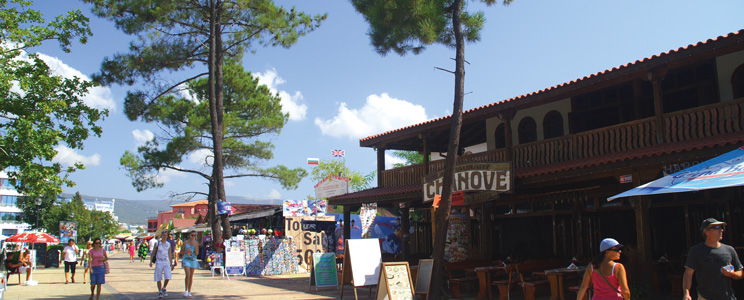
[70,252]
[163,263]
[153,241]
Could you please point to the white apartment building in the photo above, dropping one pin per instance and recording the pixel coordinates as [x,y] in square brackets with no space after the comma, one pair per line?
[10,214]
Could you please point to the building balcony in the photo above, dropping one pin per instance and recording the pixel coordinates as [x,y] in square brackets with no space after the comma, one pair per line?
[725,119]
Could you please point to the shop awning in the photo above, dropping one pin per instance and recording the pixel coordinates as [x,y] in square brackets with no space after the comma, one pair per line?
[726,170]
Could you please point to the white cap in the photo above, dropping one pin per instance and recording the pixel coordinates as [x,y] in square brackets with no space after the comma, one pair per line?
[608,243]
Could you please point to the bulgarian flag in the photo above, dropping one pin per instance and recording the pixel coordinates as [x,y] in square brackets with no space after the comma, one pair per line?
[313,161]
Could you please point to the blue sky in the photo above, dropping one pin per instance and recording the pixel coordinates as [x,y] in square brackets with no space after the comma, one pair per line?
[338,89]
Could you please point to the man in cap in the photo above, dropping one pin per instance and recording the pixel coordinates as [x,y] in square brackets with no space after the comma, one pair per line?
[714,263]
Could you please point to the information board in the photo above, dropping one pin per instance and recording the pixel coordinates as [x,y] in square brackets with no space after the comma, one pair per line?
[423,279]
[395,282]
[324,273]
[234,261]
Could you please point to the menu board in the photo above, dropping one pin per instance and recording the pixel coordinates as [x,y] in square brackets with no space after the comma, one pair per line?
[324,270]
[395,282]
[423,280]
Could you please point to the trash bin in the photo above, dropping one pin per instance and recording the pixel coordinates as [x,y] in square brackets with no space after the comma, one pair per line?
[52,258]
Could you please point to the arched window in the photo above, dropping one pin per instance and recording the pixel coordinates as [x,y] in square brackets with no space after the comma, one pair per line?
[527,130]
[553,125]
[737,82]
[500,136]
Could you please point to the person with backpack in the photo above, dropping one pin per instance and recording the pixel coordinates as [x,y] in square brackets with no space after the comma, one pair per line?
[162,257]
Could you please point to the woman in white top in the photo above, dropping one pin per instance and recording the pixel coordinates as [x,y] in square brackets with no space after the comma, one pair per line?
[70,252]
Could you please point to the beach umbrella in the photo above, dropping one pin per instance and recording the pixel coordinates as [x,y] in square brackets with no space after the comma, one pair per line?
[32,237]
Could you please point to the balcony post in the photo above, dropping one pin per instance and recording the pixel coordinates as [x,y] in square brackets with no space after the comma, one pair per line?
[506,117]
[658,110]
[380,166]
[426,156]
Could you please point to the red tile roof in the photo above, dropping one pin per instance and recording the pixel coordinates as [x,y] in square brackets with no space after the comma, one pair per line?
[654,58]
[191,204]
[378,192]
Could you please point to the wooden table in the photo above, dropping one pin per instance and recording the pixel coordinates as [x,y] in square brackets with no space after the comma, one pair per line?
[555,277]
[484,279]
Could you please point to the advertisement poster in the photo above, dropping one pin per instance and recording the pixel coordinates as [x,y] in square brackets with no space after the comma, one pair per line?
[456,244]
[307,242]
[67,231]
[324,269]
[303,208]
[367,214]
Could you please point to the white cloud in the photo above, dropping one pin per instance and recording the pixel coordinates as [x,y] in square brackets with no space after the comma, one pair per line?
[97,97]
[391,160]
[201,157]
[379,114]
[68,156]
[274,194]
[183,91]
[142,136]
[165,175]
[290,103]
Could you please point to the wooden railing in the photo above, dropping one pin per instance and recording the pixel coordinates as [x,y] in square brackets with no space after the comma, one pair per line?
[707,121]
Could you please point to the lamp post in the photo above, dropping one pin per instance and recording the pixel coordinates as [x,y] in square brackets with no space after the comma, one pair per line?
[38,208]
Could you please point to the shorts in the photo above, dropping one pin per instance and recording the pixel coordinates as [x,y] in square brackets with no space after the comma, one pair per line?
[162,270]
[70,265]
[85,264]
[97,275]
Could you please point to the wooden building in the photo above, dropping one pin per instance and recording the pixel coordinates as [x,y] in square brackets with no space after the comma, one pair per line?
[573,145]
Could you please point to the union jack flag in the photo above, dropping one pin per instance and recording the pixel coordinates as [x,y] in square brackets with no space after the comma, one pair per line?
[338,153]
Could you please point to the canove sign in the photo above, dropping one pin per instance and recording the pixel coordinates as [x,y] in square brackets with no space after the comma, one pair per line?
[491,177]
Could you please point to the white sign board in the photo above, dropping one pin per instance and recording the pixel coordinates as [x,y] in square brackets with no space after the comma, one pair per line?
[331,186]
[365,261]
[234,260]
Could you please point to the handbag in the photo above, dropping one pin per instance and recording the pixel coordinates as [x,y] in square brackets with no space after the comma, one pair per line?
[106,266]
[154,255]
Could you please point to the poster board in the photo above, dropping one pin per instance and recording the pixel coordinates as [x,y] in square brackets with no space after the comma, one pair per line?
[308,242]
[234,261]
[324,273]
[362,260]
[67,230]
[423,280]
[395,282]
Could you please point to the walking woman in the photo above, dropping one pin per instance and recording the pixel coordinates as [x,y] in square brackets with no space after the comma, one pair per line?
[70,251]
[86,265]
[189,263]
[96,257]
[607,276]
[142,251]
[131,251]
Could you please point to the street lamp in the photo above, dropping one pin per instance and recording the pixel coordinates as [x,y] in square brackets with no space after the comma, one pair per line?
[38,207]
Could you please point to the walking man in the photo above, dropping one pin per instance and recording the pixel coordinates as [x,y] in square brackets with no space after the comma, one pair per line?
[163,258]
[714,263]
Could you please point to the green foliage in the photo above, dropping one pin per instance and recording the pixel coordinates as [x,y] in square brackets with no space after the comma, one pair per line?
[40,110]
[90,223]
[404,26]
[250,111]
[411,158]
[357,180]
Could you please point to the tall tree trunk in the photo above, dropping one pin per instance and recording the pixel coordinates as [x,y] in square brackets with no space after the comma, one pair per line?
[219,91]
[215,115]
[441,219]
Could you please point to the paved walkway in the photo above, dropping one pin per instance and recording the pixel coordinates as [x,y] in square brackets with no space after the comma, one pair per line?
[135,281]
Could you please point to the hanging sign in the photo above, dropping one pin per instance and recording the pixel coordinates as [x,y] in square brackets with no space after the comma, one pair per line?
[395,282]
[331,186]
[484,177]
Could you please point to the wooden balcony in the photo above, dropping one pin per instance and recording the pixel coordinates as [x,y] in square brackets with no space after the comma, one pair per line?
[678,127]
